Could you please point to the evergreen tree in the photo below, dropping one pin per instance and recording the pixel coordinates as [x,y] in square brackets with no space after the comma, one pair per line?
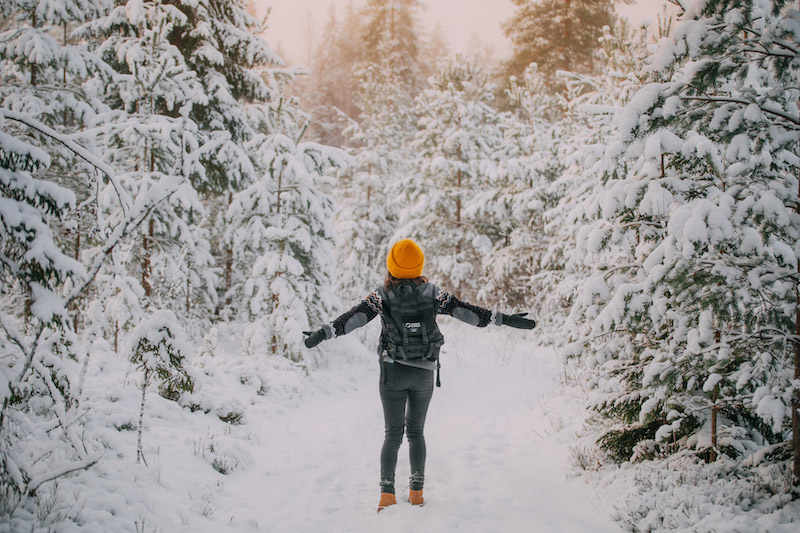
[557,35]
[455,146]
[329,93]
[159,348]
[116,307]
[380,140]
[218,41]
[574,147]
[698,227]
[389,37]
[280,230]
[520,192]
[48,75]
[46,95]
[366,218]
[151,138]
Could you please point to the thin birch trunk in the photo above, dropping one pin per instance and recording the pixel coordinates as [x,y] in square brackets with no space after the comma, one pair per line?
[139,453]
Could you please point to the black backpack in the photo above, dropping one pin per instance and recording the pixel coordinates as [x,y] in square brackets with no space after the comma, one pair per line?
[409,322]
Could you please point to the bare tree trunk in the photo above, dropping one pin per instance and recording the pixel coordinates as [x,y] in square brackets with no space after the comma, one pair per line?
[229,263]
[139,453]
[458,190]
[146,239]
[280,184]
[796,396]
[369,188]
[34,67]
[77,318]
[714,411]
[566,35]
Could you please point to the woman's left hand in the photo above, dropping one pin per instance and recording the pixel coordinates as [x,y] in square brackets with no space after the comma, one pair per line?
[517,321]
[314,338]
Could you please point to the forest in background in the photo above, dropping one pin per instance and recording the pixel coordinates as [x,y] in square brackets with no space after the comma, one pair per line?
[162,170]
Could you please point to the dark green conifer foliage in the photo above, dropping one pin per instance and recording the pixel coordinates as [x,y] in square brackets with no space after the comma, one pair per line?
[702,320]
[390,34]
[219,42]
[556,34]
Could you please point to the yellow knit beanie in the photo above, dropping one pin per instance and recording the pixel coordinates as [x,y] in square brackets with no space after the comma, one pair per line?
[405,260]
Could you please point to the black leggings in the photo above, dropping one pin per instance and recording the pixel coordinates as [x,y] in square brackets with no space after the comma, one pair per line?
[403,386]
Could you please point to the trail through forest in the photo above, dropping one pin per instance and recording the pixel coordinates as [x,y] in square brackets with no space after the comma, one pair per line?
[498,436]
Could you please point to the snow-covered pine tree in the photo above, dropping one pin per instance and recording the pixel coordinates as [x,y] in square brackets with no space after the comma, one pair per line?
[380,140]
[159,348]
[35,385]
[366,219]
[694,314]
[455,148]
[117,305]
[280,229]
[150,136]
[557,35]
[518,192]
[46,69]
[49,75]
[583,125]
[46,96]
[219,42]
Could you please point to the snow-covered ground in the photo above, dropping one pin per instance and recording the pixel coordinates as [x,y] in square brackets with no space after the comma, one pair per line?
[497,437]
[263,445]
[304,456]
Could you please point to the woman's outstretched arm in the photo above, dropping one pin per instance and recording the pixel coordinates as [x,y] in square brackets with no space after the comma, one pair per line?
[478,316]
[358,316]
[465,312]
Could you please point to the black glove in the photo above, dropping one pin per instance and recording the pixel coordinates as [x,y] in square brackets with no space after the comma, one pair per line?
[517,321]
[314,337]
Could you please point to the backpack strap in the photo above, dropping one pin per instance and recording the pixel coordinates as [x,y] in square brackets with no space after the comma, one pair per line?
[391,295]
[401,348]
[433,349]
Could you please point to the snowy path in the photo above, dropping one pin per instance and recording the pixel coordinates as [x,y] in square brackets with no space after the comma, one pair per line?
[495,455]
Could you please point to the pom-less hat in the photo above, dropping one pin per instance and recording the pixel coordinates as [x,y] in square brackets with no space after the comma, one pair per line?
[405,260]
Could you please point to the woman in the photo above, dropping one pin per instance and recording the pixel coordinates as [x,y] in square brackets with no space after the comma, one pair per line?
[409,354]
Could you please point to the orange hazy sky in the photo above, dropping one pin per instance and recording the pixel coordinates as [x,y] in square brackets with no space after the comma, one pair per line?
[460,21]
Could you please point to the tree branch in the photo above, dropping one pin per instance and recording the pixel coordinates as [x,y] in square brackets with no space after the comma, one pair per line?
[79,150]
[742,101]
[35,483]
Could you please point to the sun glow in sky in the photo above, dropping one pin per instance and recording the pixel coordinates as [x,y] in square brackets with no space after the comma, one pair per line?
[461,21]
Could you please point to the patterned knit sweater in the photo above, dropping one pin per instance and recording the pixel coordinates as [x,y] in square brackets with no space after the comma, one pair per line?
[372,306]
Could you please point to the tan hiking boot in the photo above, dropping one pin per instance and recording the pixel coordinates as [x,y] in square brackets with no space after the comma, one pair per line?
[386,500]
[415,497]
